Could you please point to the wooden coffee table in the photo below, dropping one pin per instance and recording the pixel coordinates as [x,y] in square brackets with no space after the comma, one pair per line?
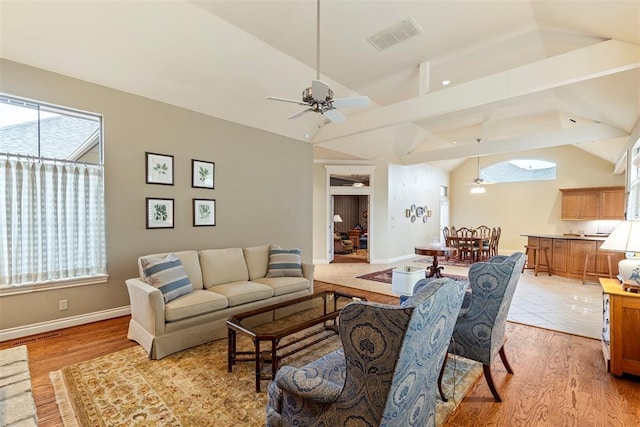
[291,317]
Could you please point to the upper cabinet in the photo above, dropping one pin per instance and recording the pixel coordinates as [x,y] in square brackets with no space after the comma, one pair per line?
[593,203]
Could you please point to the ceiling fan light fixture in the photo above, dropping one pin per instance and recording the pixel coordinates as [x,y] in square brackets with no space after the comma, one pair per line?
[478,189]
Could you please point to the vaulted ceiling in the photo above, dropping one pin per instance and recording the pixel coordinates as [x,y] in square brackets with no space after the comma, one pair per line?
[523,73]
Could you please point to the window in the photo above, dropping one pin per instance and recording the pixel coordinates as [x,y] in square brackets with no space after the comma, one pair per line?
[519,170]
[52,224]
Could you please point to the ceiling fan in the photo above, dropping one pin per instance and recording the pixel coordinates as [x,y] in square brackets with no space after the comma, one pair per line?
[479,182]
[319,97]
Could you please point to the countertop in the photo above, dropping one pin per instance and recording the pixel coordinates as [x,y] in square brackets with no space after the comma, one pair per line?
[561,236]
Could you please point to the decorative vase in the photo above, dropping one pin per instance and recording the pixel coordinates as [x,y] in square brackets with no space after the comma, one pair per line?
[629,271]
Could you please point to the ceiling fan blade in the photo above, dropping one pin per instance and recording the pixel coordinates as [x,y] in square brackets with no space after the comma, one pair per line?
[293,101]
[300,113]
[356,101]
[479,181]
[319,90]
[334,115]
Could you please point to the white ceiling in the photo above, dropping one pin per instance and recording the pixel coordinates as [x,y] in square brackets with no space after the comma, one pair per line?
[524,74]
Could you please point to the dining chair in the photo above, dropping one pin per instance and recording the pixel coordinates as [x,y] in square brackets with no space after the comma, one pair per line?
[466,247]
[485,251]
[448,241]
[495,241]
[483,231]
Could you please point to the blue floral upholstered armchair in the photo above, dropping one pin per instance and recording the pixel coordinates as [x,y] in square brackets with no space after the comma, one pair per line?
[385,374]
[479,333]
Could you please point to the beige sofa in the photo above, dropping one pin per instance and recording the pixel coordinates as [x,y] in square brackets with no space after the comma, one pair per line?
[224,281]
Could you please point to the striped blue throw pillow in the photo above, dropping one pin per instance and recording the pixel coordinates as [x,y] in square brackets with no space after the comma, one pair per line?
[285,262]
[168,275]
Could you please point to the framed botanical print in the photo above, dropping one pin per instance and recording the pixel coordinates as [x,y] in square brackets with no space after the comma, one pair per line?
[202,174]
[159,169]
[204,212]
[159,213]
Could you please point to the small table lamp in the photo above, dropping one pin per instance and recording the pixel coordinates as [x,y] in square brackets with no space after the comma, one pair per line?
[626,238]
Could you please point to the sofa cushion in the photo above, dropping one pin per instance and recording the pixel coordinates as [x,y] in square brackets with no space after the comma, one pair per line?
[190,262]
[168,275]
[285,262]
[238,293]
[193,304]
[223,266]
[257,258]
[285,285]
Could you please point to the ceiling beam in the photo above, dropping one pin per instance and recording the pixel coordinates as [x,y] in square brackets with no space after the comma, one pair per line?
[598,60]
[532,141]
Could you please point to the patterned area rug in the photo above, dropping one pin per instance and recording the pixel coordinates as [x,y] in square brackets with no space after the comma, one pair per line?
[442,261]
[385,276]
[193,388]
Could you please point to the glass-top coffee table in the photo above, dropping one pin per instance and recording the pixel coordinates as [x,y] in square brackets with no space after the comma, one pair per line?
[288,325]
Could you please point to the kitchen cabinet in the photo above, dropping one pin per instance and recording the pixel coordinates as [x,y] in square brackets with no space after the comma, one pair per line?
[577,251]
[559,260]
[612,204]
[567,255]
[593,203]
[621,323]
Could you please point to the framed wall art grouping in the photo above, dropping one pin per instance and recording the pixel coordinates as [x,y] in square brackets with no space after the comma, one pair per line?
[204,212]
[159,213]
[159,169]
[203,174]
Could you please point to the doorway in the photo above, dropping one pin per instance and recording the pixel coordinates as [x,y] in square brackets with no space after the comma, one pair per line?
[352,211]
[353,181]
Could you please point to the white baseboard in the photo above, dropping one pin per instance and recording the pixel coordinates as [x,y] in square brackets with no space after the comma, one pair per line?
[67,322]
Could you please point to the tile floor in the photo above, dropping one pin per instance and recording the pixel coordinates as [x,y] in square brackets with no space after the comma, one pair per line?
[550,302]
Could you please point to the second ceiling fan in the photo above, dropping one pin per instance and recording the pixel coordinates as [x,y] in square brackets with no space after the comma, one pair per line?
[478,183]
[318,98]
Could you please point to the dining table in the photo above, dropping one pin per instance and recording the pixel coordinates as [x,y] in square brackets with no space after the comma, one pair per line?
[475,242]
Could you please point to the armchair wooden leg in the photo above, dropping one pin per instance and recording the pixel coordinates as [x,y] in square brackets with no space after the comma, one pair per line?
[505,362]
[489,378]
[444,364]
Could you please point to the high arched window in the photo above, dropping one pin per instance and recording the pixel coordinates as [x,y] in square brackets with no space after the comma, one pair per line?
[519,170]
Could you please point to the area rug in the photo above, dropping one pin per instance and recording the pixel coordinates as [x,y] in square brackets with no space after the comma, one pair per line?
[193,388]
[385,276]
[441,261]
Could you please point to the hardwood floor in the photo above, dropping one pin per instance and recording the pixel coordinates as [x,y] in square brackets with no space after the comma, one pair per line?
[559,379]
[54,350]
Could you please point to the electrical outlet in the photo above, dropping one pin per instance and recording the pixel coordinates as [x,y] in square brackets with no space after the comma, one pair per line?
[63,304]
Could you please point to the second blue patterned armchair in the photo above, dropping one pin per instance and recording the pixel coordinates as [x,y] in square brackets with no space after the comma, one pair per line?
[479,333]
[387,371]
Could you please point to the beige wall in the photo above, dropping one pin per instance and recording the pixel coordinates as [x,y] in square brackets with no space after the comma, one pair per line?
[529,207]
[263,186]
[392,236]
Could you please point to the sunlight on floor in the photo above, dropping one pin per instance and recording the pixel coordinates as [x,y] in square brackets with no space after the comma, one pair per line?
[549,302]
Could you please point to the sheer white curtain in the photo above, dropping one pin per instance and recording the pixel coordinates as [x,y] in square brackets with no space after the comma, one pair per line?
[51,221]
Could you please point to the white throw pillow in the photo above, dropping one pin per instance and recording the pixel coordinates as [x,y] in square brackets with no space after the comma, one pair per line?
[168,275]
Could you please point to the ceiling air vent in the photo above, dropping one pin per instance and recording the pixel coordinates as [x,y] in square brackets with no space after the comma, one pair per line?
[395,34]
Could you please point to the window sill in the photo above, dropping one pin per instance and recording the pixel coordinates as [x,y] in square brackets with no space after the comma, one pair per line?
[6,290]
